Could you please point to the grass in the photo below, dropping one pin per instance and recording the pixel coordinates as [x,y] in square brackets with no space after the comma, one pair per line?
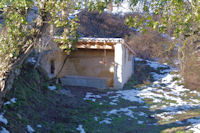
[176,78]
[37,105]
[59,113]
[185,116]
[177,130]
[34,102]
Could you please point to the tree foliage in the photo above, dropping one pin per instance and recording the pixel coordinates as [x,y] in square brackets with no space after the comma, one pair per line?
[25,22]
[179,19]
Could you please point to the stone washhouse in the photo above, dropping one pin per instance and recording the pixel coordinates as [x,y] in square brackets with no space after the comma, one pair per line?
[98,62]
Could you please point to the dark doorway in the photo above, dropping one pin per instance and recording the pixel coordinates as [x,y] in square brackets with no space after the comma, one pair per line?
[52,69]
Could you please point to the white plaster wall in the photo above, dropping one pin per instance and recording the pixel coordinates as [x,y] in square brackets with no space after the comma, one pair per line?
[118,60]
[127,67]
[123,65]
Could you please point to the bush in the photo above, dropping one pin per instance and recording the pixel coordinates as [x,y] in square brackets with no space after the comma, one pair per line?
[191,71]
[150,45]
[93,24]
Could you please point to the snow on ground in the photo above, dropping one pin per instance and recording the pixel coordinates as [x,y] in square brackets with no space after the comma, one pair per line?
[80,128]
[52,88]
[31,60]
[140,122]
[106,121]
[3,119]
[12,100]
[96,118]
[39,126]
[4,130]
[166,94]
[130,95]
[30,129]
[172,95]
[168,115]
[195,127]
[92,97]
[127,111]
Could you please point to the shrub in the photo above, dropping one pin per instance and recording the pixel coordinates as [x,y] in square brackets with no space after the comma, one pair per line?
[191,71]
[93,24]
[150,45]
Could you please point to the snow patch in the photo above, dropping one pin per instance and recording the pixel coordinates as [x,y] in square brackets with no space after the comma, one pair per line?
[52,88]
[168,115]
[139,59]
[12,100]
[140,122]
[96,118]
[91,97]
[106,121]
[80,128]
[113,103]
[142,114]
[4,130]
[130,95]
[171,95]
[195,127]
[3,119]
[31,60]
[7,103]
[126,111]
[39,126]
[30,129]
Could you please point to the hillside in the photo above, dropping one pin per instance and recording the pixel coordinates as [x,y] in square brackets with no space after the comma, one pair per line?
[105,25]
[149,45]
[119,74]
[159,103]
